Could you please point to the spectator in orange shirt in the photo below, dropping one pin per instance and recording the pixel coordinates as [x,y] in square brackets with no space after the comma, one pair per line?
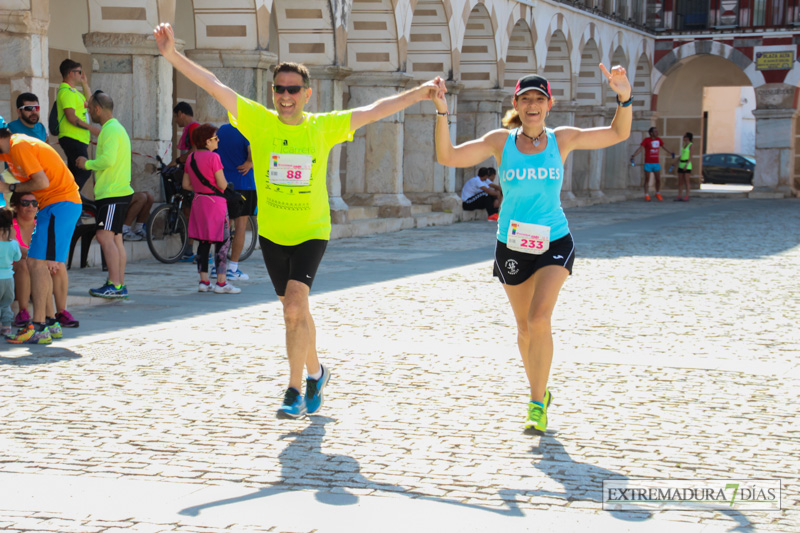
[40,170]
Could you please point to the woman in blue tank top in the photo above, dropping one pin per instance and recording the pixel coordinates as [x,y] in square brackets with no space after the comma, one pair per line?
[534,252]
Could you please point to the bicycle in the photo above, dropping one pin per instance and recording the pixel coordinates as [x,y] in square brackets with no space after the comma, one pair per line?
[167,230]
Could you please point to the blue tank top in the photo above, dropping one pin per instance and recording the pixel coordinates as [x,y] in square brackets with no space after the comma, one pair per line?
[532,188]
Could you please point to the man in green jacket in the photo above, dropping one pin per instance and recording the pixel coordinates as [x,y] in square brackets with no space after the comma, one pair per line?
[112,192]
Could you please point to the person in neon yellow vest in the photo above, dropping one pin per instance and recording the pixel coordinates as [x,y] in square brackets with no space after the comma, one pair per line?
[685,168]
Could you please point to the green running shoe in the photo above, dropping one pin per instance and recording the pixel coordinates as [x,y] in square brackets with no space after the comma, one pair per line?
[537,415]
[55,330]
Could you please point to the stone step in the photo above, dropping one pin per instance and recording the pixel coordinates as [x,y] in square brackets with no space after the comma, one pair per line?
[420,209]
[362,212]
[370,226]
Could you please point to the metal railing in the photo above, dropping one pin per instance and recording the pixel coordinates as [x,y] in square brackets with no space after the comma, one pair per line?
[690,16]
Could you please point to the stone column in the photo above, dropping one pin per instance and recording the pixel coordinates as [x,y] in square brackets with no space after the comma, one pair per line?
[245,71]
[326,82]
[587,165]
[563,114]
[375,157]
[775,152]
[129,68]
[424,180]
[24,60]
[479,112]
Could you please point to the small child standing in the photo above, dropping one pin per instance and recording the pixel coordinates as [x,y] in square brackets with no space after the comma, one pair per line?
[9,252]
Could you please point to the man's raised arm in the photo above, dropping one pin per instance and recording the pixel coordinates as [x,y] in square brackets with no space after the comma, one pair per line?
[165,40]
[393,104]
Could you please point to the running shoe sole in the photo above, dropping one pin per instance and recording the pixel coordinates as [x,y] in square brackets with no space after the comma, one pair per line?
[284,415]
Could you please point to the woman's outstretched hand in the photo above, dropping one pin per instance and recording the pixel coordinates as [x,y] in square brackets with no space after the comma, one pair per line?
[618,81]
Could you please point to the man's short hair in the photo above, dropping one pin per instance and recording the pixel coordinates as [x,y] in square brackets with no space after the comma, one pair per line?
[102,100]
[202,134]
[651,130]
[297,68]
[68,66]
[26,97]
[5,133]
[689,136]
[483,172]
[183,107]
[490,171]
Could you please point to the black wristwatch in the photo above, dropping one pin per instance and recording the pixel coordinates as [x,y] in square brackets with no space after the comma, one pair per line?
[12,187]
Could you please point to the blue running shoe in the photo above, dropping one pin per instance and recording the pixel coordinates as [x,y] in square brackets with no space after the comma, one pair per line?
[123,291]
[294,405]
[187,258]
[314,390]
[106,291]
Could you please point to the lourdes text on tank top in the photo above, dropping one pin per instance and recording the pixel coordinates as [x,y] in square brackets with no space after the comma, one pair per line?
[532,188]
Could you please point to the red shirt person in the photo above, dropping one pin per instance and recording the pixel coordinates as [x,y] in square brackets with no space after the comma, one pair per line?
[651,146]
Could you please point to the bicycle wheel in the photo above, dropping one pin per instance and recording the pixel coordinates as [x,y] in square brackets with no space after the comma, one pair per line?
[167,233]
[250,239]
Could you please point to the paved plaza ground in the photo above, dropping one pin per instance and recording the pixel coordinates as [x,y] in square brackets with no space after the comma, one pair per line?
[677,356]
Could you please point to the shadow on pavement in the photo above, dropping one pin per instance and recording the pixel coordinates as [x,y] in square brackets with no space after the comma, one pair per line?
[46,355]
[715,229]
[584,482]
[303,461]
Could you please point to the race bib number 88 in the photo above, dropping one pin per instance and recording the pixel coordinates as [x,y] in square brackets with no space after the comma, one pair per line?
[528,238]
[290,169]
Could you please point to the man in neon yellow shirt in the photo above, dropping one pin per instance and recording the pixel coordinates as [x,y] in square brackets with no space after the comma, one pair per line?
[290,156]
[74,131]
[112,192]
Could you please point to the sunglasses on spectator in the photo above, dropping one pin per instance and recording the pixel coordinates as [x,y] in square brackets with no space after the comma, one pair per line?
[214,138]
[293,89]
[79,71]
[29,108]
[28,203]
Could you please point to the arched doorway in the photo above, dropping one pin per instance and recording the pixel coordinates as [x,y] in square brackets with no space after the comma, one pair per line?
[706,95]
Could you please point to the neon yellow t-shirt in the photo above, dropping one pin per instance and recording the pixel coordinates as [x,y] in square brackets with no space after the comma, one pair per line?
[112,166]
[290,214]
[67,97]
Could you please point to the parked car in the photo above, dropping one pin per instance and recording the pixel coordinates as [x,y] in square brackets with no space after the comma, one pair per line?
[728,168]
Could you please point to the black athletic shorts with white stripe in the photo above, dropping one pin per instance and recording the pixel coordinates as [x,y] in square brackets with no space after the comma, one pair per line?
[111,212]
[514,267]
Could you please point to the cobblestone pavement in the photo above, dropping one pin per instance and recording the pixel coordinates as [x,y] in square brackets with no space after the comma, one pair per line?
[677,356]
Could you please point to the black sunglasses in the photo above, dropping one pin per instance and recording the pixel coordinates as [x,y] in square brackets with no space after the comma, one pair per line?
[27,203]
[29,108]
[293,89]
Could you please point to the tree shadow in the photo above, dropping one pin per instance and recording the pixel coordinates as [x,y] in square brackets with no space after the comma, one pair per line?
[41,355]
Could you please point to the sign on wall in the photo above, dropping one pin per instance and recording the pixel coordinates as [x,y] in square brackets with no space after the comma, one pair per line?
[781,60]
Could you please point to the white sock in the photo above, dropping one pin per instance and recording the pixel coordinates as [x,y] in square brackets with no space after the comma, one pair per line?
[137,226]
[233,267]
[317,375]
[126,229]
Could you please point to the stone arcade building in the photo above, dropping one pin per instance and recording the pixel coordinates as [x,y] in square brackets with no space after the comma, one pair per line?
[359,50]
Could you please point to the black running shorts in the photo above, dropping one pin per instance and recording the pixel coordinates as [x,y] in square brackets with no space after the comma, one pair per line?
[298,262]
[111,213]
[513,268]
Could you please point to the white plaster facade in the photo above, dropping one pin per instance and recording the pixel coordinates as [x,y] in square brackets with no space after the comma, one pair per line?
[359,50]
